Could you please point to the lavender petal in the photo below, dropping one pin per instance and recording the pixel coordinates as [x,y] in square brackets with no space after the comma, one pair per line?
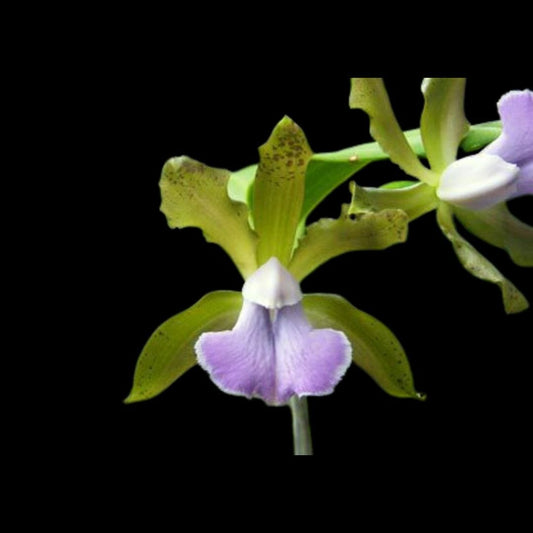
[515,144]
[310,361]
[274,355]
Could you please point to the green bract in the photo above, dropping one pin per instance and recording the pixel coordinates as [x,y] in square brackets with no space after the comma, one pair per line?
[260,212]
[443,130]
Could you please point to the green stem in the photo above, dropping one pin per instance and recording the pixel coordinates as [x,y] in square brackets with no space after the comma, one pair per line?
[301,429]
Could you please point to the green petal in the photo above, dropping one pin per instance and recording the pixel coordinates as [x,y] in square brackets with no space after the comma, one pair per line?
[513,300]
[330,237]
[499,227]
[370,95]
[443,124]
[279,191]
[416,199]
[375,348]
[195,195]
[169,352]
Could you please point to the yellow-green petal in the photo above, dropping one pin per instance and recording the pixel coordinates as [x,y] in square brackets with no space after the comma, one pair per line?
[415,199]
[375,348]
[169,352]
[443,124]
[499,227]
[195,195]
[279,191]
[370,95]
[330,237]
[475,263]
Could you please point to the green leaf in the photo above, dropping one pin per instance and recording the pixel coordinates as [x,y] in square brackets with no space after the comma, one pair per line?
[398,184]
[443,124]
[370,95]
[327,170]
[323,177]
[330,237]
[499,227]
[195,195]
[513,300]
[375,348]
[415,199]
[279,191]
[480,135]
[240,185]
[169,352]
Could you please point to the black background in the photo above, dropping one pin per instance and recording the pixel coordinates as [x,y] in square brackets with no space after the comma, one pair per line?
[133,272]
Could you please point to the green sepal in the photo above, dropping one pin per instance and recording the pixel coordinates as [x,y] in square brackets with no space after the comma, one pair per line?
[415,199]
[499,227]
[443,124]
[195,195]
[279,191]
[475,263]
[328,237]
[375,348]
[370,95]
[169,352]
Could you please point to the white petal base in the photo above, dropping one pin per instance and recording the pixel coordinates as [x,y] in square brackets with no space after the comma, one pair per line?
[478,181]
[272,286]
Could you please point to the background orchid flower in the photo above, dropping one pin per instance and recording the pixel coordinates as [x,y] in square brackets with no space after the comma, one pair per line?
[271,341]
[502,170]
[472,189]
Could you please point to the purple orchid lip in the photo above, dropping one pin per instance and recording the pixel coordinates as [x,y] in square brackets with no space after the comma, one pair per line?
[273,353]
[502,170]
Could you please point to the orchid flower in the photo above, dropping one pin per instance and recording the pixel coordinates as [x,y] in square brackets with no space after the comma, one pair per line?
[475,188]
[270,341]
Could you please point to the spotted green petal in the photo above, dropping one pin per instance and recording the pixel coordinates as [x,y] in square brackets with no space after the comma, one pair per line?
[370,95]
[499,227]
[513,300]
[195,195]
[415,199]
[169,352]
[279,191]
[330,237]
[443,124]
[374,347]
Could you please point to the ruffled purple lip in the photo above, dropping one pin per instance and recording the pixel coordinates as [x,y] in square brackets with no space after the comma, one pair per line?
[273,353]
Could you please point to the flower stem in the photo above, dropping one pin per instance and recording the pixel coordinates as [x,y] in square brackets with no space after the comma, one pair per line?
[301,429]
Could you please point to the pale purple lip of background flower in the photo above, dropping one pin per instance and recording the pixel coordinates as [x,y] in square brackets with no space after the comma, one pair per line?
[273,353]
[502,170]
